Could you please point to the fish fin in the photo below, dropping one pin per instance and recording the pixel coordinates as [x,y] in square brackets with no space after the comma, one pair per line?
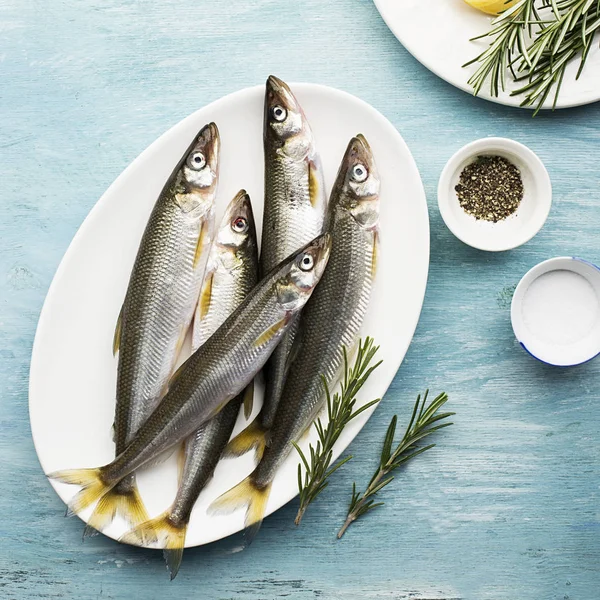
[218,409]
[173,558]
[200,244]
[89,531]
[179,370]
[294,350]
[314,183]
[117,335]
[180,342]
[269,333]
[245,494]
[176,374]
[205,297]
[92,487]
[163,532]
[181,461]
[375,257]
[305,433]
[128,505]
[253,437]
[249,399]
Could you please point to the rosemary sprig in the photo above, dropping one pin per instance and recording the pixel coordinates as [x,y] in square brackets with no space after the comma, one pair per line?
[557,44]
[340,411]
[535,41]
[422,424]
[508,31]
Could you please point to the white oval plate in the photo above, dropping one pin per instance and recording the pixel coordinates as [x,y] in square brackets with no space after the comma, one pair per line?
[73,372]
[438,33]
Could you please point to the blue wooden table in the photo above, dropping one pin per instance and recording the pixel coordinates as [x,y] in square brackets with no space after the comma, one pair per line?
[506,507]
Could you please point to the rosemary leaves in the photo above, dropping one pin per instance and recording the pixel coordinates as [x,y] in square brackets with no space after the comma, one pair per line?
[490,188]
[421,424]
[340,411]
[534,41]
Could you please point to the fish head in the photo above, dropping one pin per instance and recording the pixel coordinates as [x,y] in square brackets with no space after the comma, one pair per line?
[237,227]
[303,272]
[200,169]
[359,180]
[285,126]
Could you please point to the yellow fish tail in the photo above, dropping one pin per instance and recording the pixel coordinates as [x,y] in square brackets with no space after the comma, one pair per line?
[128,504]
[254,437]
[93,487]
[162,531]
[245,494]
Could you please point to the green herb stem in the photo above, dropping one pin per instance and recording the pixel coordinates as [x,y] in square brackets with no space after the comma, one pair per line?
[422,424]
[340,411]
[535,41]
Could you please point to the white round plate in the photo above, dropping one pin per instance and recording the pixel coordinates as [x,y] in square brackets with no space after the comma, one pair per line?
[73,372]
[438,33]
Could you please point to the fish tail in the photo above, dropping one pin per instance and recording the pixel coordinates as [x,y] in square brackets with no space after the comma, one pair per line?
[128,504]
[162,529]
[245,494]
[93,487]
[254,437]
[248,401]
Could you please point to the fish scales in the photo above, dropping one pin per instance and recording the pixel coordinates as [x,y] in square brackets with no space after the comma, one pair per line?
[159,304]
[231,273]
[294,211]
[215,373]
[331,320]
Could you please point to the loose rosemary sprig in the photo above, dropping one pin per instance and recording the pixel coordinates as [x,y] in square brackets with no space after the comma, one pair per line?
[340,411]
[420,426]
[536,40]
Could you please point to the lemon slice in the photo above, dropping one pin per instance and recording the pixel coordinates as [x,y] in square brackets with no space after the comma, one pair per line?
[491,7]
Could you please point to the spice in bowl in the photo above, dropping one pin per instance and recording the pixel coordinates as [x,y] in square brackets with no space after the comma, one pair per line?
[490,188]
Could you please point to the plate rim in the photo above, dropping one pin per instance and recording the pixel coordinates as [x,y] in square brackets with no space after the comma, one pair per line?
[463,85]
[36,352]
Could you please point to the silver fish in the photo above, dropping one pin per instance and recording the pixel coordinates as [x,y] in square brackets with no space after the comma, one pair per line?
[159,305]
[232,269]
[218,371]
[294,211]
[231,274]
[332,319]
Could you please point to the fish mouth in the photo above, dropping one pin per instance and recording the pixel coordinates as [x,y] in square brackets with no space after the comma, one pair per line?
[241,207]
[321,246]
[240,199]
[363,140]
[209,139]
[278,93]
[359,151]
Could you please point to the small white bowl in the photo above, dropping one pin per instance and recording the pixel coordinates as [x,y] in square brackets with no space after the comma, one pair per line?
[519,227]
[555,311]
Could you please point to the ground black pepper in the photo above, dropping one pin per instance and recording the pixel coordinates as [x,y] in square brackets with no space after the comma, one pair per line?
[490,188]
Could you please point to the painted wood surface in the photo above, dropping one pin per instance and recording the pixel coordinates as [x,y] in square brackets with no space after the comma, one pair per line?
[506,507]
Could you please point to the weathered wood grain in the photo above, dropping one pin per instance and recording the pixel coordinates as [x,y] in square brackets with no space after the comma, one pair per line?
[506,507]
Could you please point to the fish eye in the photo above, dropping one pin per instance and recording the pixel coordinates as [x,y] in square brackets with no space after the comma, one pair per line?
[359,173]
[196,161]
[239,225]
[279,113]
[307,262]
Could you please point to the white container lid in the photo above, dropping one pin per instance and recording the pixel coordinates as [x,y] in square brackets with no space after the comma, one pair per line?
[555,311]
